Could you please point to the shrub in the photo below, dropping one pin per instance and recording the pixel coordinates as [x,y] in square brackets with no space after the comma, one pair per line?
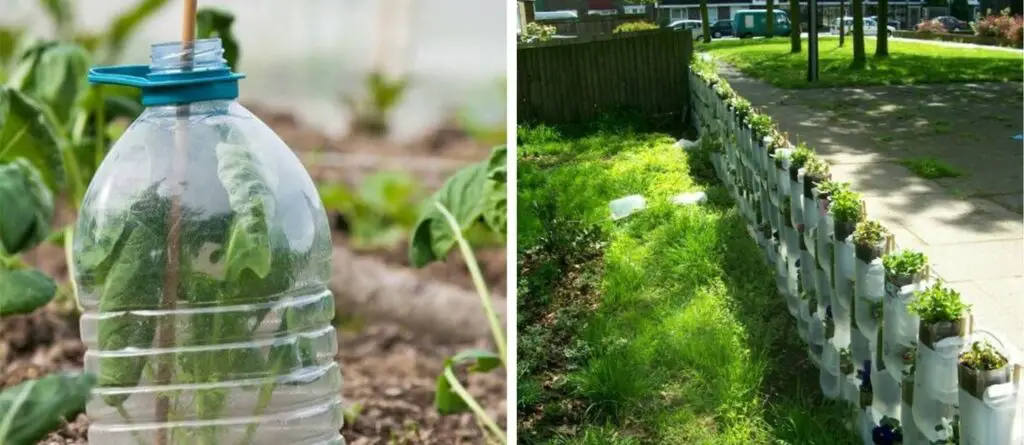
[869,233]
[906,263]
[741,106]
[761,123]
[817,168]
[536,32]
[800,156]
[831,188]
[634,27]
[939,303]
[930,26]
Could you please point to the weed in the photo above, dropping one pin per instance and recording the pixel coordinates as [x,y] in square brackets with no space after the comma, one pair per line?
[931,168]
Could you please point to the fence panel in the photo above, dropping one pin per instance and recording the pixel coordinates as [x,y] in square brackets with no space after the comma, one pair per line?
[574,81]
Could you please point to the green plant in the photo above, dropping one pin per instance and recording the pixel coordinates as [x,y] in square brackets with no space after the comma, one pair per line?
[939,303]
[817,168]
[761,124]
[931,168]
[983,357]
[473,195]
[536,32]
[741,107]
[832,188]
[216,23]
[800,156]
[845,206]
[32,409]
[634,27]
[869,233]
[380,213]
[905,263]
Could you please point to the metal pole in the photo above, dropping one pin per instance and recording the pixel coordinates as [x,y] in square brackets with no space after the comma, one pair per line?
[812,41]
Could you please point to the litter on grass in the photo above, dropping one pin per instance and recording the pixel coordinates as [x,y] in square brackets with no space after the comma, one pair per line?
[690,198]
[626,206]
[687,144]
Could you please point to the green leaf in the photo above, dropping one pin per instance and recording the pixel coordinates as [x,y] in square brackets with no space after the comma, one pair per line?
[27,207]
[59,78]
[125,24]
[446,399]
[496,210]
[24,133]
[216,22]
[481,360]
[9,38]
[465,196]
[385,93]
[135,281]
[50,401]
[23,291]
[246,179]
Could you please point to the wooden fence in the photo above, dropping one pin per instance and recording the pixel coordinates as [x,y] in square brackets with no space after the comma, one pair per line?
[595,25]
[576,80]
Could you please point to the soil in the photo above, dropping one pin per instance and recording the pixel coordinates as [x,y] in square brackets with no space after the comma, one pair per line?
[389,372]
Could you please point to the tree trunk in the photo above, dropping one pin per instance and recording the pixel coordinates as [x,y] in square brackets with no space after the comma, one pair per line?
[368,287]
[882,45]
[794,19]
[842,23]
[859,57]
[769,19]
[704,21]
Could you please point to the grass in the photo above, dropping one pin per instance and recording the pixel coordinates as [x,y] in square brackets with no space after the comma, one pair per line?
[931,168]
[664,327]
[908,63]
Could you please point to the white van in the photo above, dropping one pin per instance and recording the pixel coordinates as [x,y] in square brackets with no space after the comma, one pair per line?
[870,27]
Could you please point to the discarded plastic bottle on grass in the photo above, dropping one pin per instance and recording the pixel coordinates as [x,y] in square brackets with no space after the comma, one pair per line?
[202,256]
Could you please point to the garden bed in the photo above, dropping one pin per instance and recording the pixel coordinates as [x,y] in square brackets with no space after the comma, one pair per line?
[389,369]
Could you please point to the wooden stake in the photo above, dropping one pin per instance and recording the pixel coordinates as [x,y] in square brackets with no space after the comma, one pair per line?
[863,211]
[168,302]
[890,244]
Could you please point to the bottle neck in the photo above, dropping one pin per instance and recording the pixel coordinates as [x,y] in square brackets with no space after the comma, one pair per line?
[178,57]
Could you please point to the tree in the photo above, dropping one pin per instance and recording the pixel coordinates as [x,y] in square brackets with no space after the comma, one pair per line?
[960,9]
[794,20]
[882,41]
[859,57]
[769,17]
[842,22]
[705,27]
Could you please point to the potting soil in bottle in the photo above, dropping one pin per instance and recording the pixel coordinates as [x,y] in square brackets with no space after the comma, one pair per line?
[202,257]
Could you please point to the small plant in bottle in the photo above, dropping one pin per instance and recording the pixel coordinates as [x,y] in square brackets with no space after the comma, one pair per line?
[942,313]
[798,159]
[869,240]
[816,171]
[902,268]
[982,366]
[846,212]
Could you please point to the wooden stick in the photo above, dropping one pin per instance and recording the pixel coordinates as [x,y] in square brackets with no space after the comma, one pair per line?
[168,302]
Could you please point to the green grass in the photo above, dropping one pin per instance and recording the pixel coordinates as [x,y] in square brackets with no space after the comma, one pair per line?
[908,63]
[931,168]
[664,327]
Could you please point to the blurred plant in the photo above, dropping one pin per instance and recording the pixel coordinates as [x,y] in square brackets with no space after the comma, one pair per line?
[536,32]
[473,195]
[34,408]
[484,117]
[939,303]
[930,26]
[634,27]
[380,213]
[904,264]
[982,356]
[216,23]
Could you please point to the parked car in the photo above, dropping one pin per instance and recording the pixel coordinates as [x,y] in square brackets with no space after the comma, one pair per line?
[721,28]
[695,27]
[895,24]
[952,23]
[751,23]
[870,27]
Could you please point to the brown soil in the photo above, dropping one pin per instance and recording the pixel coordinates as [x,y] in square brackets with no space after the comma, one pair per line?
[389,372]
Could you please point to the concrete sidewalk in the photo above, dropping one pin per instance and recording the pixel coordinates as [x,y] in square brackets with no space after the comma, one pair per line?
[970,228]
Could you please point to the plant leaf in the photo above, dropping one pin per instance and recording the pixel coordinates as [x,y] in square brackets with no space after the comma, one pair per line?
[24,133]
[495,212]
[9,38]
[446,399]
[51,401]
[60,11]
[464,195]
[216,22]
[27,207]
[246,180]
[125,24]
[59,78]
[482,360]
[23,291]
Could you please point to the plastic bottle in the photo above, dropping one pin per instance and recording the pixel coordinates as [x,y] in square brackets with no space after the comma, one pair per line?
[202,257]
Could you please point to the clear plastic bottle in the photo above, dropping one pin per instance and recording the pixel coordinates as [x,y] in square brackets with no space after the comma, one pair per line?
[202,258]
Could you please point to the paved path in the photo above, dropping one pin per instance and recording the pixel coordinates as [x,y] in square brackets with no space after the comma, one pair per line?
[970,228]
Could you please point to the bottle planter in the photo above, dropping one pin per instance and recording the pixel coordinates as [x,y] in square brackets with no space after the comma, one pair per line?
[796,197]
[995,418]
[869,252]
[870,295]
[936,393]
[974,382]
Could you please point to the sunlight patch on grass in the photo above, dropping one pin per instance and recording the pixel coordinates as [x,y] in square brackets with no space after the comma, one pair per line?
[908,63]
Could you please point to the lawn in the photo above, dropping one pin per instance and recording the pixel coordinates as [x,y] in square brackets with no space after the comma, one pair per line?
[664,327]
[908,63]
